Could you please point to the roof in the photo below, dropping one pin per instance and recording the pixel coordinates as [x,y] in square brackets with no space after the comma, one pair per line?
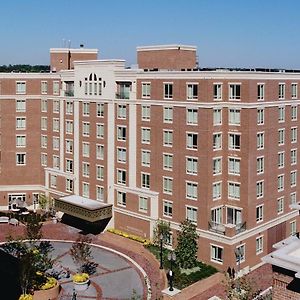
[166,47]
[84,202]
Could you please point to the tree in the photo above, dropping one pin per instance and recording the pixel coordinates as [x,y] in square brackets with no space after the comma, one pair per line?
[186,250]
[161,227]
[33,229]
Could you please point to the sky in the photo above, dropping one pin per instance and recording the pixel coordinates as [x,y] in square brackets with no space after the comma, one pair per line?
[227,33]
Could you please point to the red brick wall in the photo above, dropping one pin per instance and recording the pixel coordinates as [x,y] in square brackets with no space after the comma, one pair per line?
[280,291]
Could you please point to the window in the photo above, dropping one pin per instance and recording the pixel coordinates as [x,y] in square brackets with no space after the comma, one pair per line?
[217,117]
[217,141]
[55,125]
[281,91]
[192,116]
[121,133]
[191,165]
[168,114]
[293,198]
[146,112]
[280,183]
[191,214]
[99,151]
[259,213]
[259,189]
[100,131]
[259,244]
[280,160]
[20,87]
[191,190]
[69,165]
[20,141]
[44,105]
[293,226]
[146,90]
[294,90]
[234,166]
[167,185]
[260,116]
[217,190]
[121,155]
[260,161]
[44,123]
[44,141]
[55,87]
[281,114]
[53,179]
[167,208]
[44,159]
[100,109]
[234,142]
[69,127]
[294,134]
[168,138]
[121,176]
[168,161]
[234,216]
[146,158]
[69,108]
[260,138]
[217,166]
[85,128]
[216,254]
[69,185]
[168,90]
[234,116]
[20,159]
[260,91]
[85,109]
[234,190]
[55,106]
[20,106]
[85,190]
[241,253]
[99,172]
[294,113]
[281,134]
[191,140]
[44,87]
[293,156]
[85,149]
[121,111]
[121,198]
[192,91]
[145,180]
[280,205]
[20,123]
[55,161]
[216,215]
[234,91]
[146,135]
[99,193]
[217,91]
[293,178]
[55,143]
[143,204]
[69,146]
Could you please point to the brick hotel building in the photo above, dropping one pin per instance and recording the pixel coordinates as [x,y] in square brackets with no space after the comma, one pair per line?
[164,140]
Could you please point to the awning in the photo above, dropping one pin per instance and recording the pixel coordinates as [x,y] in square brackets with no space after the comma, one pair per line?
[84,208]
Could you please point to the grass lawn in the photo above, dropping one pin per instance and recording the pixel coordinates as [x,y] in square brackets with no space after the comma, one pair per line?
[182,280]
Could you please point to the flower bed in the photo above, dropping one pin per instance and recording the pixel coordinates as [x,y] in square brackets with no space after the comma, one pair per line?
[80,277]
[130,236]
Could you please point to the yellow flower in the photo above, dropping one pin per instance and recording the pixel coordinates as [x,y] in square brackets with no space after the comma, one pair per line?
[80,277]
[51,282]
[26,297]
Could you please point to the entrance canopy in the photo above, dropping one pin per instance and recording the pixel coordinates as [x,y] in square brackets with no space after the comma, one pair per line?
[84,208]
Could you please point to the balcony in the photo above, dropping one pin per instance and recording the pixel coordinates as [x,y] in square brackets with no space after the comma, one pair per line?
[69,93]
[123,95]
[240,227]
[216,227]
[228,229]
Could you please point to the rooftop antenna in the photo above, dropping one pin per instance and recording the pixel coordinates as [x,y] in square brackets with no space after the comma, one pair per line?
[69,44]
[63,43]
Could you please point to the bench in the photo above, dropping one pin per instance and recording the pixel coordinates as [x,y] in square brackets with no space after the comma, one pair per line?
[4,219]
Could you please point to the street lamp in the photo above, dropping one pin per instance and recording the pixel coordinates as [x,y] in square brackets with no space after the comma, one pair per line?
[161,237]
[171,258]
[238,254]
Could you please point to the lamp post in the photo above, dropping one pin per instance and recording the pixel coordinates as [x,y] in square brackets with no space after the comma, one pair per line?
[238,254]
[171,258]
[161,237]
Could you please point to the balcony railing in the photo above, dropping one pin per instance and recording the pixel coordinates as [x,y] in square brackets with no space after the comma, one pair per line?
[69,93]
[122,95]
[240,227]
[216,227]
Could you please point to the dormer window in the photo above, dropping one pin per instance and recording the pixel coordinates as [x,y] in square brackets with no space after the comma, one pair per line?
[92,85]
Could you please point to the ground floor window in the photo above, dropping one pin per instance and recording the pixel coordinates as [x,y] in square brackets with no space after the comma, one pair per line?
[16,200]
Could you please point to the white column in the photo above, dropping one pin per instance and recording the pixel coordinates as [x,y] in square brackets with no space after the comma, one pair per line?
[76,147]
[61,135]
[132,145]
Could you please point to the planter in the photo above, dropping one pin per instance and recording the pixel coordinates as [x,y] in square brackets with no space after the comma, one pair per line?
[81,286]
[50,294]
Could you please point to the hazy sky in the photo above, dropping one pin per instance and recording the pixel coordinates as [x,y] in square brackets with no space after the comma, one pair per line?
[236,33]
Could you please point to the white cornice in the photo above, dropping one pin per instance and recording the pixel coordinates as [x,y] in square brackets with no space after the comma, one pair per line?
[23,76]
[73,50]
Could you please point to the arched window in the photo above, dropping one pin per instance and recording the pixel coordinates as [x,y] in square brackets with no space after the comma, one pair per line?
[92,85]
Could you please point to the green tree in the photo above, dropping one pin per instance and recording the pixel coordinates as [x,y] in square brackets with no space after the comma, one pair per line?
[161,227]
[33,229]
[186,250]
